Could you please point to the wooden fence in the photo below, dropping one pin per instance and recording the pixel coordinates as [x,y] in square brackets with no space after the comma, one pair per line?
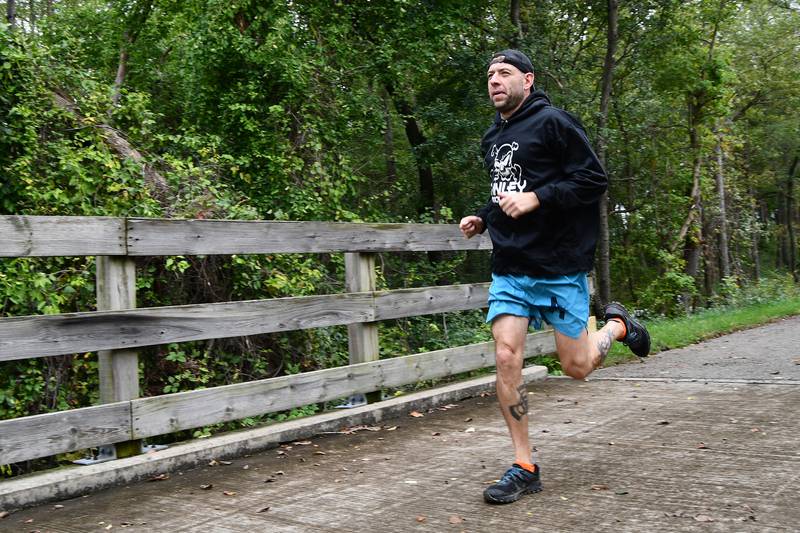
[118,327]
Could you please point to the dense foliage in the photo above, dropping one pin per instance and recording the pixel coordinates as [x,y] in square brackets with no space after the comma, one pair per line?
[372,111]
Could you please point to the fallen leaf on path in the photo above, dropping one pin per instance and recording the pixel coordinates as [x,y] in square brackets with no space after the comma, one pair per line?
[159,477]
[599,487]
[469,430]
[278,473]
[109,526]
[468,419]
[302,443]
[421,519]
[391,428]
[225,462]
[319,452]
[415,414]
[207,486]
[702,446]
[263,510]
[703,518]
[455,519]
[620,492]
[229,492]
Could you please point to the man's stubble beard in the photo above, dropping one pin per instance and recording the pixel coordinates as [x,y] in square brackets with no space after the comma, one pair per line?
[512,101]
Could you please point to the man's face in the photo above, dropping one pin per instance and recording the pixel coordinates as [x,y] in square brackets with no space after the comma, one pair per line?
[508,87]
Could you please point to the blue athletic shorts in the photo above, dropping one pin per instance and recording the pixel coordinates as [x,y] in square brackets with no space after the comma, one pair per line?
[562,302]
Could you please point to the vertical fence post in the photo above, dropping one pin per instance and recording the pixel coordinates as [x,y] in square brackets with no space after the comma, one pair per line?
[362,338]
[119,369]
[592,325]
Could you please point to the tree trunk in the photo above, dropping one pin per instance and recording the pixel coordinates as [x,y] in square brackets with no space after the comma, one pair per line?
[516,22]
[417,140]
[603,243]
[32,12]
[134,23]
[724,262]
[155,182]
[792,242]
[122,71]
[388,143]
[692,239]
[11,12]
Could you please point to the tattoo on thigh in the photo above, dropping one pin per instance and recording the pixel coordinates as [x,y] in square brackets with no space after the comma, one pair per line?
[520,409]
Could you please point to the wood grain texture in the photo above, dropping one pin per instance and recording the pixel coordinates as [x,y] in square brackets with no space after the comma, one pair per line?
[38,336]
[185,410]
[210,237]
[48,434]
[116,290]
[39,236]
[362,338]
[428,300]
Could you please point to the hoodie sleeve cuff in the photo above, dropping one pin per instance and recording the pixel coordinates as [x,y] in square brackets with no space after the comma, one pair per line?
[545,195]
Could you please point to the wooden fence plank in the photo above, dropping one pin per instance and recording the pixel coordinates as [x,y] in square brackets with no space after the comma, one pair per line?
[38,336]
[185,410]
[210,237]
[429,300]
[36,436]
[39,236]
[48,434]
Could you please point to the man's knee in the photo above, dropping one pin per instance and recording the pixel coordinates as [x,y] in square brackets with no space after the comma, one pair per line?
[575,371]
[507,358]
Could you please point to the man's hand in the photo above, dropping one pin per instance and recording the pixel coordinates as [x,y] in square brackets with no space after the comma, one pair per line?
[516,204]
[471,225]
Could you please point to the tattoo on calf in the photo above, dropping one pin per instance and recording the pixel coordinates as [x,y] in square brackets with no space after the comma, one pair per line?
[604,345]
[520,409]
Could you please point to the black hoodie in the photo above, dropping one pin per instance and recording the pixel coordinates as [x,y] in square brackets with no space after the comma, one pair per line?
[542,149]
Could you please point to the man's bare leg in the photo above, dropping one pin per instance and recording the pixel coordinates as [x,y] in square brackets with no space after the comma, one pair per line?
[579,357]
[509,333]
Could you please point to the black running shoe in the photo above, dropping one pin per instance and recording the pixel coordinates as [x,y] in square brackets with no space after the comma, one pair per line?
[637,338]
[514,483]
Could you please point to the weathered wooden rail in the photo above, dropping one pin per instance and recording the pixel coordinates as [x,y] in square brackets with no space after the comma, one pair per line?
[118,327]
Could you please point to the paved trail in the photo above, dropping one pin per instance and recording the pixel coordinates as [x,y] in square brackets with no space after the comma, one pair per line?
[769,353]
[708,443]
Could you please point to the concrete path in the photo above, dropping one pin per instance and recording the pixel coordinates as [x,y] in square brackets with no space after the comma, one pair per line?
[619,453]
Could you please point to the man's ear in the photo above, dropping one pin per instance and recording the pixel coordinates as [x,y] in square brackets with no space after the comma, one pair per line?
[528,80]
